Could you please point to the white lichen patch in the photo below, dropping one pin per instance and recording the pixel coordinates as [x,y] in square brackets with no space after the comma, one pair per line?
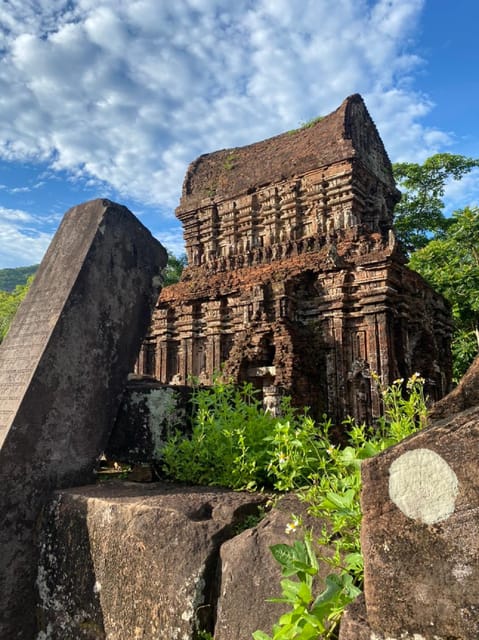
[423,486]
[462,572]
[191,594]
[163,413]
[47,634]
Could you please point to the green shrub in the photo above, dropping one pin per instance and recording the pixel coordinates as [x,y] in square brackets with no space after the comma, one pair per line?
[9,303]
[226,446]
[235,443]
[333,495]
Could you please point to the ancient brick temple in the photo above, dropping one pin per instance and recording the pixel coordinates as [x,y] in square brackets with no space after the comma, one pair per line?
[295,280]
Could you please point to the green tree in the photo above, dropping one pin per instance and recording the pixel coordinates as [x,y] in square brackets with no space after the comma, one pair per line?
[419,216]
[174,268]
[9,303]
[450,263]
[9,278]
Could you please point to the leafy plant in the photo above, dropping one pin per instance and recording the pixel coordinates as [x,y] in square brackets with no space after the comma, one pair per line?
[252,520]
[306,125]
[333,495]
[229,162]
[334,492]
[310,123]
[309,617]
[292,450]
[226,446]
[235,443]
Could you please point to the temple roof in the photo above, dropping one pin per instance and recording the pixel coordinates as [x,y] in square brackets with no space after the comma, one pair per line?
[345,134]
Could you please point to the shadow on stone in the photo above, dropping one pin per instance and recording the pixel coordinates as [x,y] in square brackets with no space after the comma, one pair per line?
[66,573]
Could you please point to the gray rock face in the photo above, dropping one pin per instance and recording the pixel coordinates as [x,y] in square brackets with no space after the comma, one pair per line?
[123,561]
[63,365]
[250,575]
[354,625]
[420,534]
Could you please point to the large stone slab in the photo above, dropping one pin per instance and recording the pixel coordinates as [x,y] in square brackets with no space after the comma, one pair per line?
[250,575]
[63,365]
[124,561]
[420,534]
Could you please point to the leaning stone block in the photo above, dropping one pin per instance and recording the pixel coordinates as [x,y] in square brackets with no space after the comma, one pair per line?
[63,366]
[122,561]
[420,534]
[250,575]
[464,396]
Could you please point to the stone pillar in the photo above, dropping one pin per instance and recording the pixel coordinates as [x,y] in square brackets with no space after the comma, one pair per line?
[63,366]
[374,360]
[341,368]
[162,362]
[384,345]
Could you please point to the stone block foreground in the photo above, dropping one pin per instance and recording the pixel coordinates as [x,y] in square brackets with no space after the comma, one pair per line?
[161,561]
[131,561]
[63,366]
[420,531]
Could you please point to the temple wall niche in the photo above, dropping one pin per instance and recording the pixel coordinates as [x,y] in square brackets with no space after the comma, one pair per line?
[295,280]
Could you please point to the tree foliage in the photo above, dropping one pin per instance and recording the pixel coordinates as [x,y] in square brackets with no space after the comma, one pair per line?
[9,302]
[450,263]
[10,278]
[419,215]
[174,268]
[444,250]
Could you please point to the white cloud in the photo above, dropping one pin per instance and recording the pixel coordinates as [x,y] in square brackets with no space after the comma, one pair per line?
[130,89]
[127,92]
[172,239]
[460,193]
[21,240]
[15,215]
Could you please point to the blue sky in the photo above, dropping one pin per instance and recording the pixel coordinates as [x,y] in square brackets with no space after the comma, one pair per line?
[114,98]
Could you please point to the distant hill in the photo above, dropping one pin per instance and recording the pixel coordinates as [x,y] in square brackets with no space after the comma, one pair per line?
[9,278]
